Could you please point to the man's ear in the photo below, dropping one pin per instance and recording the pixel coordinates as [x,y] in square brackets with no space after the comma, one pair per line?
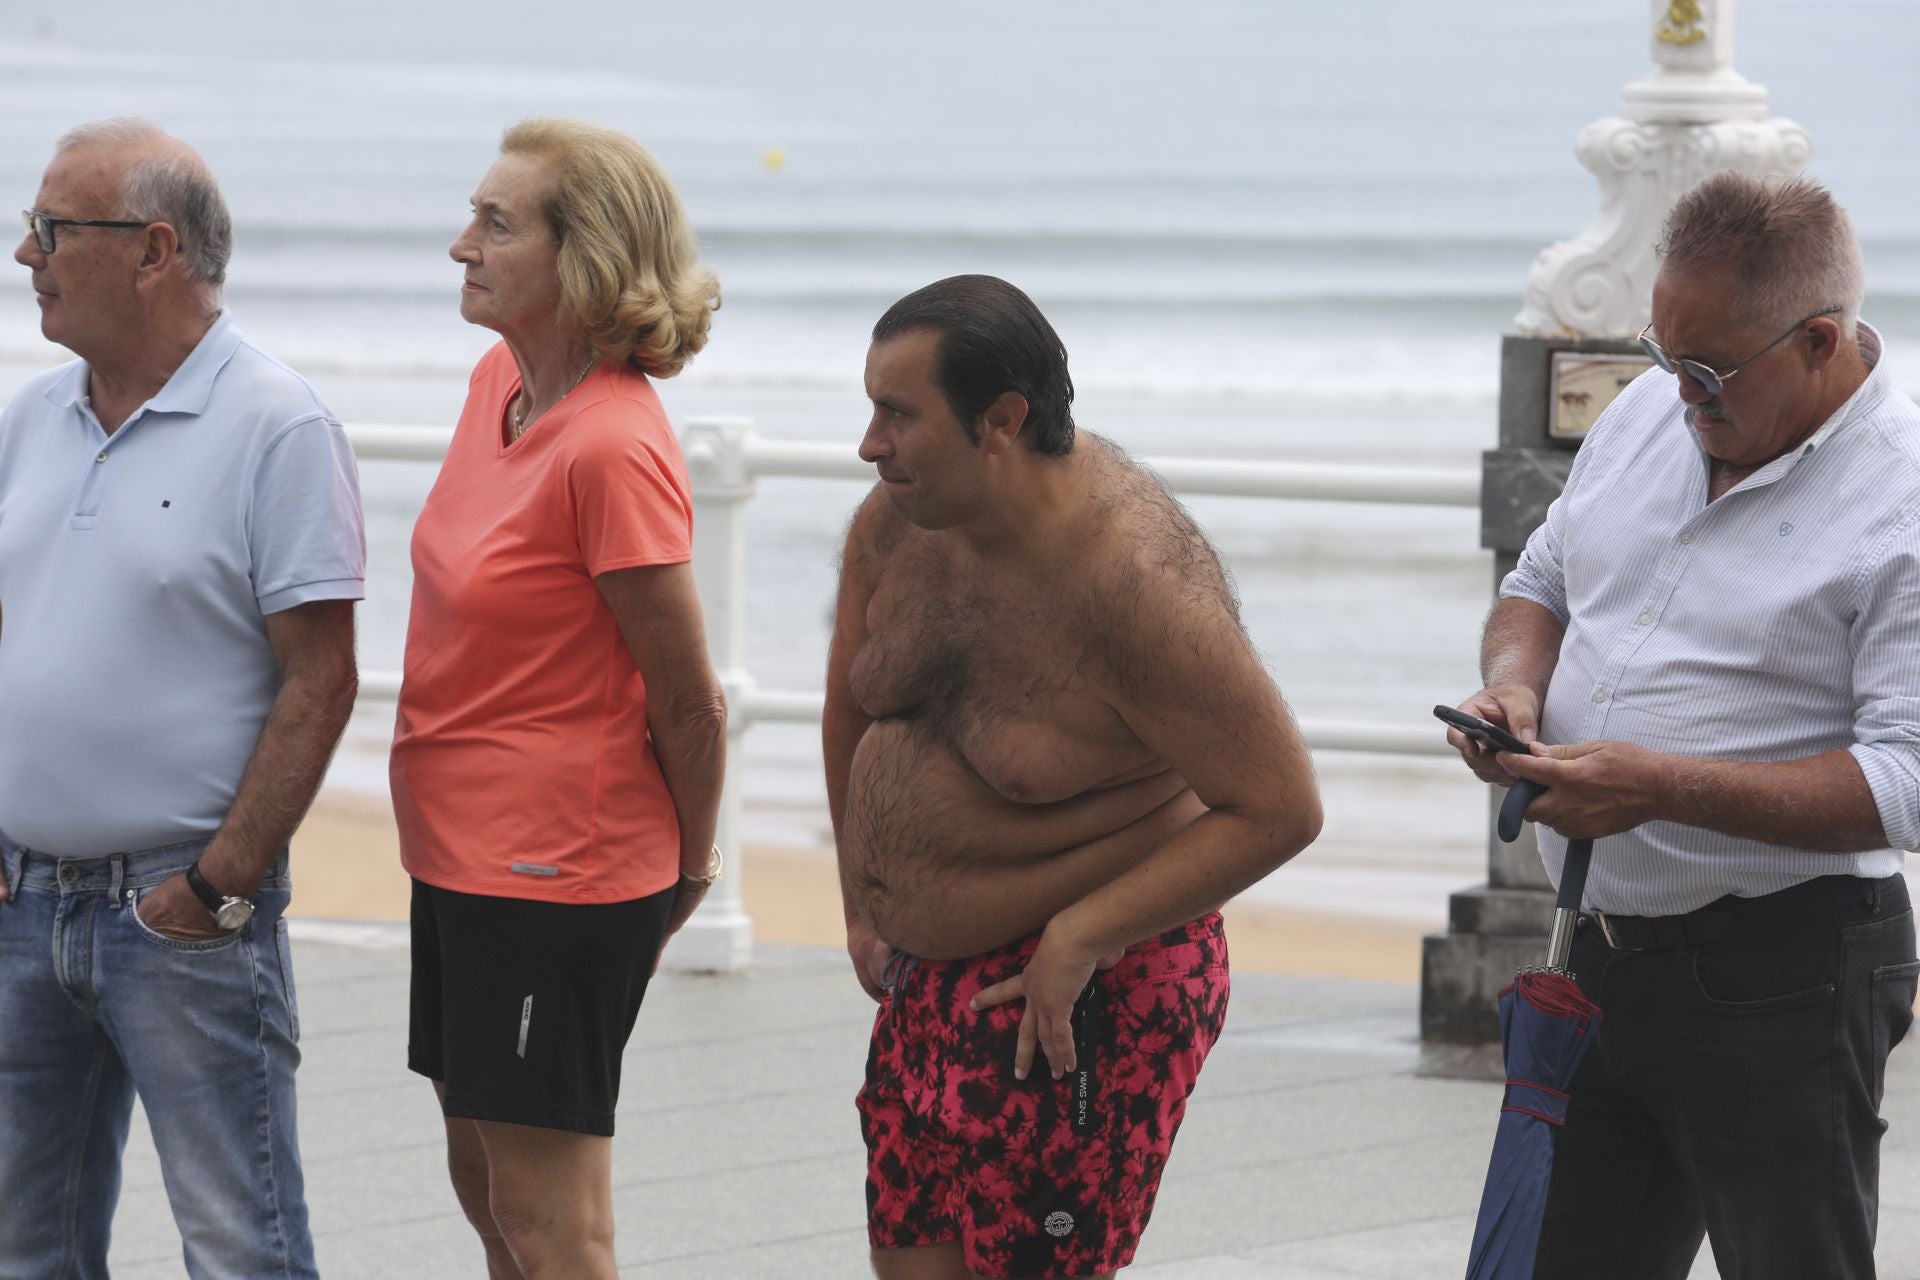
[1825,344]
[1001,422]
[159,252]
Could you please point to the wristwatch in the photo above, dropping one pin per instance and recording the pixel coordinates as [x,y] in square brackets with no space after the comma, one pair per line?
[229,913]
[715,864]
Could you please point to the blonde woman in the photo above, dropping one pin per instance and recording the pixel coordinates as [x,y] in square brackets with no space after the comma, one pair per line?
[558,756]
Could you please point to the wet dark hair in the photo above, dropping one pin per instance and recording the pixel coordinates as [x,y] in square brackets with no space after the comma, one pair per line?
[992,340]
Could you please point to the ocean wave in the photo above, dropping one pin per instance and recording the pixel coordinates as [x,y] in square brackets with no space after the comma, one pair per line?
[848,226]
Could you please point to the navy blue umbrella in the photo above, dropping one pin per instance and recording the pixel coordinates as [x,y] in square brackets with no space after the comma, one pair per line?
[1546,1027]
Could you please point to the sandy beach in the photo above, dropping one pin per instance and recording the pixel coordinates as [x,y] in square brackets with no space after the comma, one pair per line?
[346,865]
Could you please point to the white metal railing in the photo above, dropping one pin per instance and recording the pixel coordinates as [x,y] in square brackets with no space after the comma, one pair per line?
[725,461]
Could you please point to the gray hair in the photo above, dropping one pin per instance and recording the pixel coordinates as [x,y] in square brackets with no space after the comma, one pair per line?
[173,188]
[1790,246]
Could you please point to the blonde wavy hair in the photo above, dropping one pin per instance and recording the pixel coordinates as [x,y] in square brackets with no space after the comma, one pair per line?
[630,274]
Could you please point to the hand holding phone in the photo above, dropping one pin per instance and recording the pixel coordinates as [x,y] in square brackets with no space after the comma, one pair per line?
[1485,732]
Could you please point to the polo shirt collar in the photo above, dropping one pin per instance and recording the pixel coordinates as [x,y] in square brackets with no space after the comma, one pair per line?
[70,388]
[187,391]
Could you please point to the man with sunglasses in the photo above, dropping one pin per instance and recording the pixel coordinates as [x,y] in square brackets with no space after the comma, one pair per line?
[1718,626]
[180,550]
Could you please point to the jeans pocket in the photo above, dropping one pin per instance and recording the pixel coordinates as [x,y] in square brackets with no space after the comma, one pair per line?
[193,945]
[1729,986]
[1894,989]
[281,945]
[1761,975]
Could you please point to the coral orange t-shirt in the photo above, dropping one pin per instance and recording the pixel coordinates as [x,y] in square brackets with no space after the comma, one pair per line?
[522,766]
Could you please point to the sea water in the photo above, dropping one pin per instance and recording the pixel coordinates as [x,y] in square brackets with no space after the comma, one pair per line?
[1263,230]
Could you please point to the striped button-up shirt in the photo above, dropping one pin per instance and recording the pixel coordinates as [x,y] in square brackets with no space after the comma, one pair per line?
[1780,622]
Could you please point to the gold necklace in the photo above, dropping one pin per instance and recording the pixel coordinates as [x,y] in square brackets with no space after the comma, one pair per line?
[520,401]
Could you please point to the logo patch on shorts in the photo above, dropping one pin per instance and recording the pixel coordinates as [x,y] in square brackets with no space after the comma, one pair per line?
[526,1018]
[1058,1223]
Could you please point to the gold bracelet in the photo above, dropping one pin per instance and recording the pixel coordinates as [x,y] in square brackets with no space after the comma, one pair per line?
[715,865]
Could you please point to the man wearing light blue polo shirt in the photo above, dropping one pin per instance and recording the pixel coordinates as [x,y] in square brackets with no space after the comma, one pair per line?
[180,549]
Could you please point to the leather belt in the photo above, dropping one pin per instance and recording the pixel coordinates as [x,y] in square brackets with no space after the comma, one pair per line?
[1700,928]
[1730,916]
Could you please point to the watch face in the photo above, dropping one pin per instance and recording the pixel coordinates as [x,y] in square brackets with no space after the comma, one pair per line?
[233,914]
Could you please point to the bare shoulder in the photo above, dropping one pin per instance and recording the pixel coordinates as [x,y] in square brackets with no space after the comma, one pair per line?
[1153,554]
[873,535]
[1163,608]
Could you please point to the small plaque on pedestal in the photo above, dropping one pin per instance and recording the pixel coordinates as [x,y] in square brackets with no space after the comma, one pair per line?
[1584,383]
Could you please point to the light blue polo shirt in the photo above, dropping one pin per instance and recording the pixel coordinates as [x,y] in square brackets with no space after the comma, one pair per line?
[136,573]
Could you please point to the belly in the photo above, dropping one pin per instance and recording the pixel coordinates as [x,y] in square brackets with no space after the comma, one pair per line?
[941,865]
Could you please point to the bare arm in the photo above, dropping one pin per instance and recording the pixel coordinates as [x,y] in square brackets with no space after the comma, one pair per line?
[657,608]
[1518,652]
[313,644]
[1194,692]
[1199,698]
[843,724]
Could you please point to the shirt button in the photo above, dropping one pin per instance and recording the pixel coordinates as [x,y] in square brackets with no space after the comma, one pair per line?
[1644,619]
[1685,538]
[101,456]
[1599,695]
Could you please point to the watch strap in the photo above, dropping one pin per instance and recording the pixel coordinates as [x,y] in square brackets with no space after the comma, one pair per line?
[209,896]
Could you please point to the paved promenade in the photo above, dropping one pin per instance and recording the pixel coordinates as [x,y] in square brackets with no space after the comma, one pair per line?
[1313,1150]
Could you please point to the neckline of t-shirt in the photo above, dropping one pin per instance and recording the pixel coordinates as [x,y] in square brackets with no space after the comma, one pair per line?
[508,446]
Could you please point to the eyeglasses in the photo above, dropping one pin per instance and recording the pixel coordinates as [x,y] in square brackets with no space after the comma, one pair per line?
[1710,380]
[41,226]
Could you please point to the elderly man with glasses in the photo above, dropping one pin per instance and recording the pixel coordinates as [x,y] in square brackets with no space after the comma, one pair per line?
[180,550]
[1718,628]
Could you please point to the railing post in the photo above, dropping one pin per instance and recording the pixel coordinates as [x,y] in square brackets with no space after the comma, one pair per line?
[719,938]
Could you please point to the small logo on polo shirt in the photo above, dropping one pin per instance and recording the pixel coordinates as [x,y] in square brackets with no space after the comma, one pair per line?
[166,502]
[1058,1224]
[532,869]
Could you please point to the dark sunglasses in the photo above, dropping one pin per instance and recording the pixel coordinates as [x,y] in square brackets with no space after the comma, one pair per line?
[42,226]
[1711,380]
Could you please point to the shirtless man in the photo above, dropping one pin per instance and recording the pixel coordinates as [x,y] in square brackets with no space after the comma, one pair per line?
[1051,755]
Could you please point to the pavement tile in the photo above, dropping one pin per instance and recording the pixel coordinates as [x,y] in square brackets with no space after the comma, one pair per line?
[1226,1267]
[1313,1148]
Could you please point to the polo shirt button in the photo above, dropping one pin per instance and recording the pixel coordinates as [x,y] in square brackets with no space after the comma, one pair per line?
[1685,538]
[1599,695]
[101,456]
[1644,619]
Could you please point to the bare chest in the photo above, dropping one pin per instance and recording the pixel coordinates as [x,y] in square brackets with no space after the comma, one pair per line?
[1004,675]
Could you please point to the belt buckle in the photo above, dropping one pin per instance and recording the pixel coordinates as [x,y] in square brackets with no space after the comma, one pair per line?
[1606,929]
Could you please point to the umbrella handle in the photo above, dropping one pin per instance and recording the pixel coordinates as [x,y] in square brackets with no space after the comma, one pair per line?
[1513,810]
[1573,871]
[1573,875]
[1566,907]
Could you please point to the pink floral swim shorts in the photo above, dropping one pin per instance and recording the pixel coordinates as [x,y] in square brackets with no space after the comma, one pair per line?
[1037,1177]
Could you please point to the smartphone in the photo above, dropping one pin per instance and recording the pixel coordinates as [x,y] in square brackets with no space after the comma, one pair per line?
[1484,732]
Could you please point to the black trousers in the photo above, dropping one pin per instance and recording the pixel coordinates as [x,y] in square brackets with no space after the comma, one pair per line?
[1734,1092]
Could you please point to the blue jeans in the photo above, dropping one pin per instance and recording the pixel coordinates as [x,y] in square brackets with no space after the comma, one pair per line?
[94,1008]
